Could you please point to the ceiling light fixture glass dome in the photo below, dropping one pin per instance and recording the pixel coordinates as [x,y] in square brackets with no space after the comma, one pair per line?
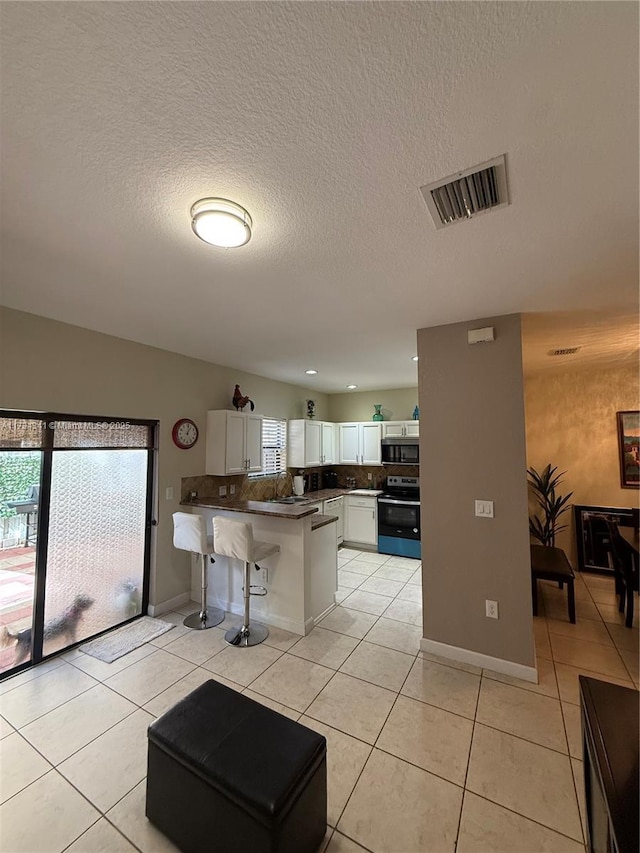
[311,372]
[221,222]
[351,387]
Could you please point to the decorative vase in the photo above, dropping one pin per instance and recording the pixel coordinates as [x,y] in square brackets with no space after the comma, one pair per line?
[416,414]
[378,415]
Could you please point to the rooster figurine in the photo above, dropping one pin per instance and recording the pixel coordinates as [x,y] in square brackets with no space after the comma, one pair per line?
[239,401]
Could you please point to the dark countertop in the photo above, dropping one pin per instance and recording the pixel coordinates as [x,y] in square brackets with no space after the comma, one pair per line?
[276,510]
[294,511]
[322,520]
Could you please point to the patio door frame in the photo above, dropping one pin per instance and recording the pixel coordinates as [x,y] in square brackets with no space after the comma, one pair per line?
[47,450]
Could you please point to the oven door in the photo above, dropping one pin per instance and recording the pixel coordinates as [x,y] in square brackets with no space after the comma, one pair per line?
[399,518]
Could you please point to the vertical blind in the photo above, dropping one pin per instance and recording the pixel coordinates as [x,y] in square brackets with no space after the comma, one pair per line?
[274,447]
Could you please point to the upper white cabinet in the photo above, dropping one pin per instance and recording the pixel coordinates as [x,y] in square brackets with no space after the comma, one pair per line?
[311,443]
[401,429]
[359,443]
[234,443]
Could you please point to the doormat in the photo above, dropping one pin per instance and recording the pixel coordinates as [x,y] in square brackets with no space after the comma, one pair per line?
[124,640]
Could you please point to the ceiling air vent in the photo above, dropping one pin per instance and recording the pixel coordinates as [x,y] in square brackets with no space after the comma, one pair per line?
[468,193]
[565,351]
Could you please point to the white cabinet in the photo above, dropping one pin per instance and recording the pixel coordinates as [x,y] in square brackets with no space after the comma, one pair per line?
[401,429]
[234,443]
[360,443]
[361,520]
[311,443]
[335,506]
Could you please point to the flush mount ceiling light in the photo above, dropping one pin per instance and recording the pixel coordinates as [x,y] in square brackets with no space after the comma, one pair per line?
[221,222]
[311,372]
[351,387]
[414,358]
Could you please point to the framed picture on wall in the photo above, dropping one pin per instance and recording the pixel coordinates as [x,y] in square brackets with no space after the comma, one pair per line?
[629,449]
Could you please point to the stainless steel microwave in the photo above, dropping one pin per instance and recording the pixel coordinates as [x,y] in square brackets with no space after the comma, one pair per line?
[400,451]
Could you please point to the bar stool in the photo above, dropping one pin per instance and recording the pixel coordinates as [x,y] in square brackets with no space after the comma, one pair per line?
[235,539]
[189,534]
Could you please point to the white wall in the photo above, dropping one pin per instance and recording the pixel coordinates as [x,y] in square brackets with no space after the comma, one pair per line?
[50,366]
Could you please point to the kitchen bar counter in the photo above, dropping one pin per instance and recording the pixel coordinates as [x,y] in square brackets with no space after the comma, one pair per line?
[301,579]
[272,508]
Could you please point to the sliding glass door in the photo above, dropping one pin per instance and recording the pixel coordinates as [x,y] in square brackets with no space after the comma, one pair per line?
[88,538]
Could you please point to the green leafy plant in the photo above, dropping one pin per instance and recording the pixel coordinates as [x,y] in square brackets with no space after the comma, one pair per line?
[545,526]
[18,471]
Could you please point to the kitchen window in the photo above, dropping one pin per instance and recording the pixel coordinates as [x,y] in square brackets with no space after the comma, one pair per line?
[274,447]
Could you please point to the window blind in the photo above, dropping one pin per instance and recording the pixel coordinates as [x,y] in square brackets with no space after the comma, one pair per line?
[274,447]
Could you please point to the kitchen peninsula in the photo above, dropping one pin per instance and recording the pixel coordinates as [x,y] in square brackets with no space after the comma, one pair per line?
[301,579]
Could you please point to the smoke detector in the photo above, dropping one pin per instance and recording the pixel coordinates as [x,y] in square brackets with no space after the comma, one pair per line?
[466,194]
[564,351]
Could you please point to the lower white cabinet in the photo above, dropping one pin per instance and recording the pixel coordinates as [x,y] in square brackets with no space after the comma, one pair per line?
[361,520]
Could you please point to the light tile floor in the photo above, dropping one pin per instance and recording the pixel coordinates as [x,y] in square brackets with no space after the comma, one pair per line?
[423,754]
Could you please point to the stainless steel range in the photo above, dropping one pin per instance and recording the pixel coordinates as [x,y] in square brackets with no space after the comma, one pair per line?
[399,517]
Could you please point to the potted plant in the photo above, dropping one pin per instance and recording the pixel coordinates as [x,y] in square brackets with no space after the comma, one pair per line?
[545,526]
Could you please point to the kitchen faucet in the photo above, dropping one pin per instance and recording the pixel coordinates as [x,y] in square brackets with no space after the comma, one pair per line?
[280,474]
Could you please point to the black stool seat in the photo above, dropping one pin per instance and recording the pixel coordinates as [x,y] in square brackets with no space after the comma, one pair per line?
[551,564]
[225,772]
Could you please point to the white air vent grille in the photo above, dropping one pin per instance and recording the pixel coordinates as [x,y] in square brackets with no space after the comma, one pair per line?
[565,351]
[468,193]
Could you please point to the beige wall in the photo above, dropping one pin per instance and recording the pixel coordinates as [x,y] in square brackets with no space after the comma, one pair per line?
[472,445]
[358,405]
[50,366]
[571,423]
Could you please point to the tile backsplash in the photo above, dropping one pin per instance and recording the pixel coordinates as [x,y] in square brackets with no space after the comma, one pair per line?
[261,488]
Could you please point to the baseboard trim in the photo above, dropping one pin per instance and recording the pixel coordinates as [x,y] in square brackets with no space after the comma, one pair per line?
[506,667]
[170,604]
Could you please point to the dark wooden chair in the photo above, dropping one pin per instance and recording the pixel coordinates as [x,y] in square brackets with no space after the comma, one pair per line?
[551,564]
[626,578]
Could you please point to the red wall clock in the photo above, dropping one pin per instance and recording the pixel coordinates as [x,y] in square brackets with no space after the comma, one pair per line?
[184,433]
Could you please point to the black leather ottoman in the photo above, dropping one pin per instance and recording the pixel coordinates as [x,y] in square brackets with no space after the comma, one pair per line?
[225,773]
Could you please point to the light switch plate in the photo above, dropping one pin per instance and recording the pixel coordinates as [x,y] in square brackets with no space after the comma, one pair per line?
[222,491]
[484,509]
[168,494]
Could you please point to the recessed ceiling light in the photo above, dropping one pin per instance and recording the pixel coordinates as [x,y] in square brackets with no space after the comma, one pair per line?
[415,358]
[221,222]
[351,387]
[311,372]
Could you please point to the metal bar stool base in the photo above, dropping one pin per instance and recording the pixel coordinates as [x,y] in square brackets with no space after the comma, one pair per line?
[251,636]
[202,620]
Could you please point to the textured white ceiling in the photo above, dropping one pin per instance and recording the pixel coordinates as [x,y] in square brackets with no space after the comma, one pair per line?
[323,119]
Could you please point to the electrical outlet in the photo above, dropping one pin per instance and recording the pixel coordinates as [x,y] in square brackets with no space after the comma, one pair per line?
[232,489]
[168,493]
[491,609]
[193,494]
[369,476]
[222,491]
[263,574]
